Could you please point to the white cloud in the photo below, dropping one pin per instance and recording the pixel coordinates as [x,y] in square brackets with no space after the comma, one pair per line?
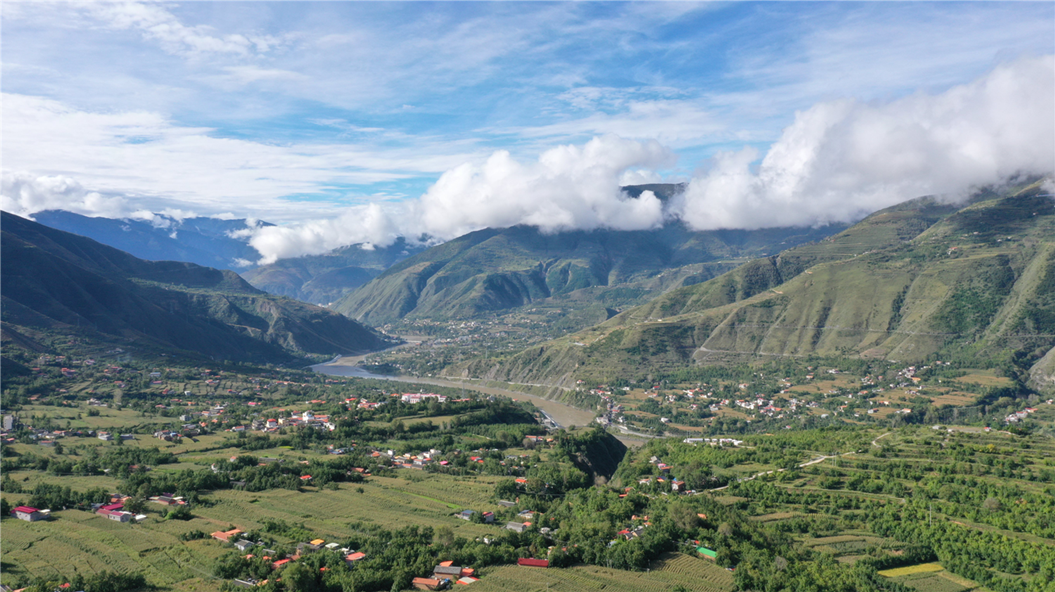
[842,159]
[569,187]
[24,194]
[154,22]
[162,165]
[837,162]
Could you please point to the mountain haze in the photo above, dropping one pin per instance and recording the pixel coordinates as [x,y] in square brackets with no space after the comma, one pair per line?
[57,281]
[322,279]
[205,241]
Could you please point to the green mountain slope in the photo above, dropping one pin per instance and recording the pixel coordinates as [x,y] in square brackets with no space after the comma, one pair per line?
[499,269]
[907,283]
[323,279]
[56,281]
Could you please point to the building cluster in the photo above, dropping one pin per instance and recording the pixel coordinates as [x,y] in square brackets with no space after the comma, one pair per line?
[293,420]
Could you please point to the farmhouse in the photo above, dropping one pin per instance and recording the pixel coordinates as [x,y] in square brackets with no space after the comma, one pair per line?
[115,511]
[226,536]
[428,584]
[533,562]
[350,560]
[28,514]
[516,526]
[447,571]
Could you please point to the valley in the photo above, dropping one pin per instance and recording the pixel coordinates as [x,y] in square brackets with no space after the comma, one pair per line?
[726,435]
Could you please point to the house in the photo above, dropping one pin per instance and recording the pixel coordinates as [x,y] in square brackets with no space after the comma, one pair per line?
[533,562]
[243,544]
[350,560]
[116,515]
[447,571]
[467,580]
[28,514]
[709,554]
[506,503]
[516,526]
[226,536]
[428,584]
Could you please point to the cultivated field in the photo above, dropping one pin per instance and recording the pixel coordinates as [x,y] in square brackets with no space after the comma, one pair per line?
[674,569]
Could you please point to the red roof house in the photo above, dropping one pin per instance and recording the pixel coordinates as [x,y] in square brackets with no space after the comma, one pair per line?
[533,562]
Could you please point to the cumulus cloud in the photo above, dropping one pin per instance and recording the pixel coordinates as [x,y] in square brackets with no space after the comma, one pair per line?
[843,159]
[569,187]
[838,161]
[25,194]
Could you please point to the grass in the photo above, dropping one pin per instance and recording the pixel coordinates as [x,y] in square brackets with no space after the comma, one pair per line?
[673,569]
[89,543]
[911,569]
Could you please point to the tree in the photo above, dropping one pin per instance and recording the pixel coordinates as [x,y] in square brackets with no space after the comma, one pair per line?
[684,517]
[991,504]
[445,536]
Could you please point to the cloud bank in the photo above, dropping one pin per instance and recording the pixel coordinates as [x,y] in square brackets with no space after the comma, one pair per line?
[843,159]
[837,162]
[569,187]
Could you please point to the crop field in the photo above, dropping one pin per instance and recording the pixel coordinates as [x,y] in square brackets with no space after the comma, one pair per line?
[698,575]
[91,543]
[930,577]
[88,544]
[328,512]
[842,544]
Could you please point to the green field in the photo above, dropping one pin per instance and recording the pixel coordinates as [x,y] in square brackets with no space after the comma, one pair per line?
[672,569]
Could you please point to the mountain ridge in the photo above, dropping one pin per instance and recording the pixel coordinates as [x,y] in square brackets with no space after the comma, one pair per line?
[497,269]
[908,283]
[53,280]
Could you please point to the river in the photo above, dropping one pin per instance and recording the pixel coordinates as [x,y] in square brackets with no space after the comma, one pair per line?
[562,414]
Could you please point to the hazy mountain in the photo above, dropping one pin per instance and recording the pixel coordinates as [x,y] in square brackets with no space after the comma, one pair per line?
[498,269]
[57,281]
[322,279]
[909,283]
[205,241]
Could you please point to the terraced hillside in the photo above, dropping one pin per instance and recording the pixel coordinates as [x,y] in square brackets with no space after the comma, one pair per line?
[910,282]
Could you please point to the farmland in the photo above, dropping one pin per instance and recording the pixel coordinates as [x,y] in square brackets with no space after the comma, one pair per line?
[297,457]
[668,572]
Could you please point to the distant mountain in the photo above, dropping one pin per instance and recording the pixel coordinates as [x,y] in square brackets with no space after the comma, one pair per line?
[205,241]
[323,279]
[499,269]
[56,281]
[922,280]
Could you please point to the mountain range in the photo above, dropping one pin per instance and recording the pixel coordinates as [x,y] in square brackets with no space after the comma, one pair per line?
[919,281]
[324,279]
[54,281]
[494,270]
[205,241]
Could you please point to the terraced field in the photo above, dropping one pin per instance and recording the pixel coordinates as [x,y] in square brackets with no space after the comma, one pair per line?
[673,569]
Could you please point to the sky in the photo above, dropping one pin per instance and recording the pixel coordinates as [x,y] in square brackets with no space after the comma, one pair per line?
[358,122]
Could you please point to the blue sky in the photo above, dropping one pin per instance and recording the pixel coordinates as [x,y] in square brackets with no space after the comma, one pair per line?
[295,111]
